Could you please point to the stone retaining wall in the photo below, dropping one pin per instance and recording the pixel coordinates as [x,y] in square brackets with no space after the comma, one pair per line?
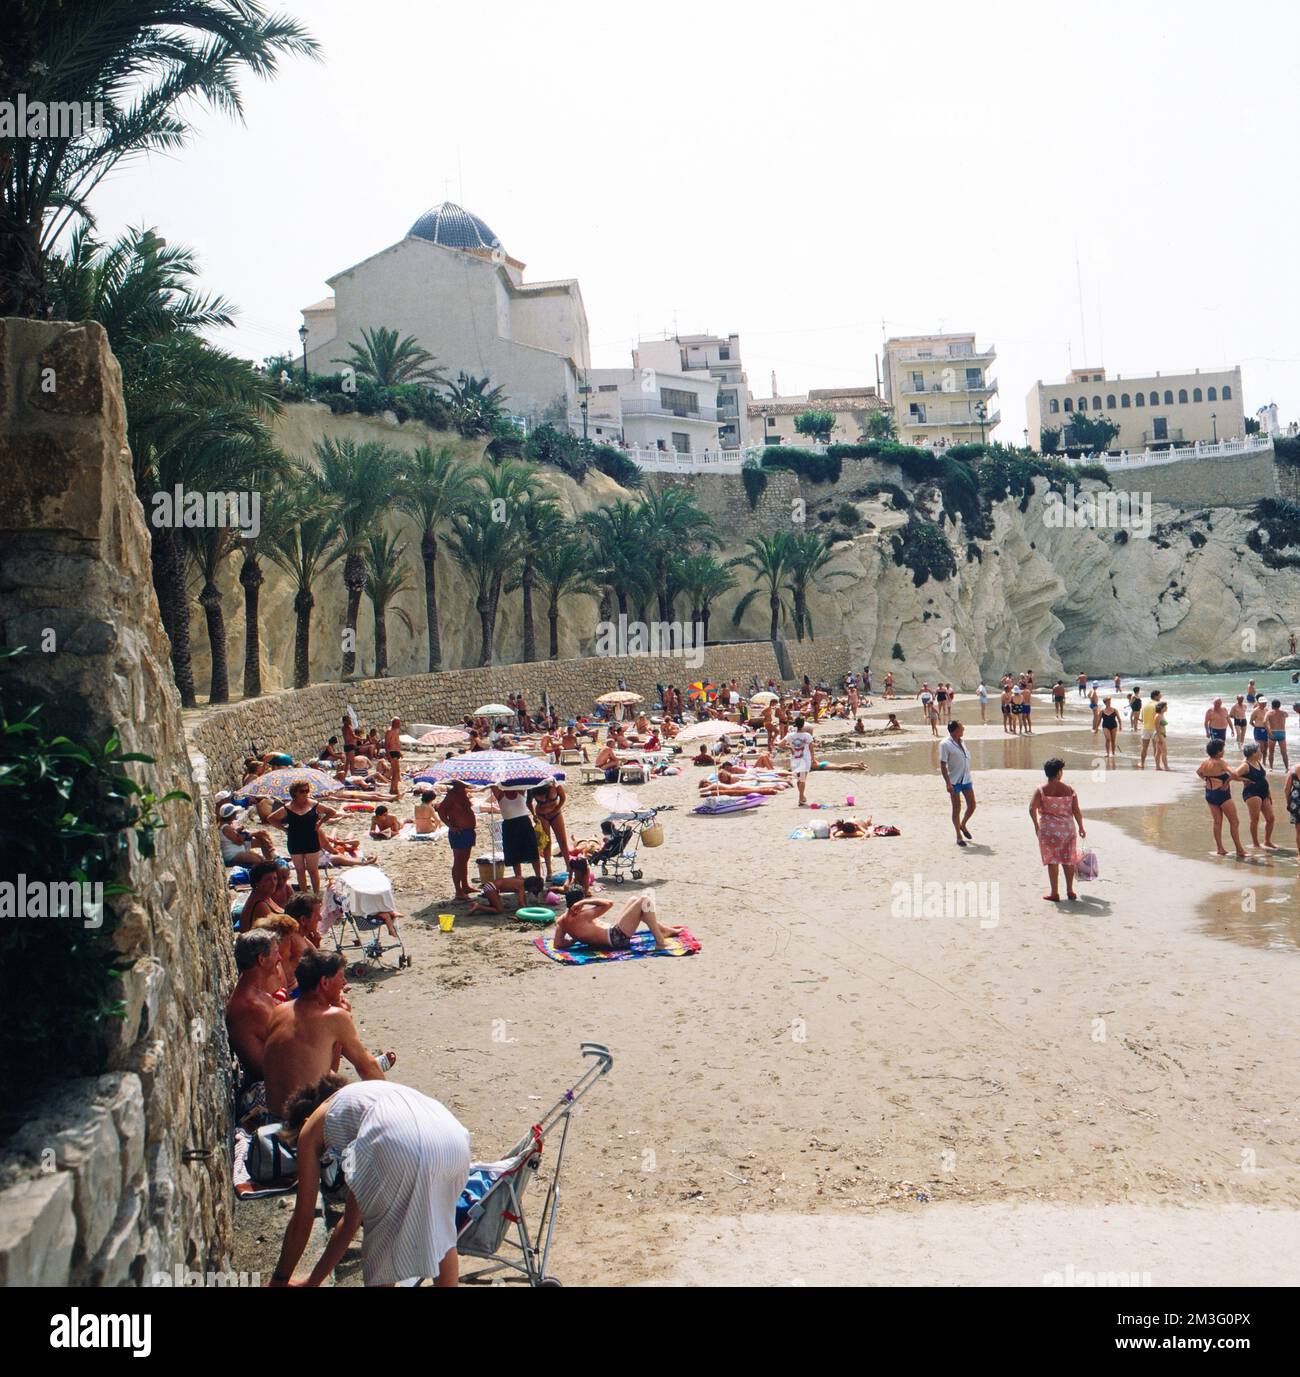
[121,1175]
[300,721]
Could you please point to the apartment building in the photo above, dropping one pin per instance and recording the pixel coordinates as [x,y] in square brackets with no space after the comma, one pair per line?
[718,356]
[941,388]
[653,408]
[771,419]
[1152,411]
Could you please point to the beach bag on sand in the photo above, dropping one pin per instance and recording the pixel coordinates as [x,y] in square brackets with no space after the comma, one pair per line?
[271,1162]
[1088,868]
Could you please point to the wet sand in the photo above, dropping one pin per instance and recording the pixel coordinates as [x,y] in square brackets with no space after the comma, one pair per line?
[835,1054]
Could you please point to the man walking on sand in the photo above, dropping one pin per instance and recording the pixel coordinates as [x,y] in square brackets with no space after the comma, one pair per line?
[954,765]
[800,743]
[1150,711]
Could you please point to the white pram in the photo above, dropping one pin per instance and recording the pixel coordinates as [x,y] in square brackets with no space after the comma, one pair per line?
[352,899]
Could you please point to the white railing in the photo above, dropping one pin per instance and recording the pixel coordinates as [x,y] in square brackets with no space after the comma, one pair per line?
[949,354]
[698,461]
[1153,458]
[910,389]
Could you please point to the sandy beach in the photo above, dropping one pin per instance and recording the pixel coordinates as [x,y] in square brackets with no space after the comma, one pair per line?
[846,1085]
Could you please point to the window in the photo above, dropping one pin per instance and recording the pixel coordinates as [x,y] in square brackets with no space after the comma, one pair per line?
[1096,403]
[1154,399]
[1182,394]
[918,382]
[679,402]
[974,380]
[1169,397]
[1159,428]
[681,443]
[724,352]
[1196,394]
[1141,400]
[1053,406]
[1123,399]
[1069,405]
[771,420]
[1110,401]
[607,387]
[1227,394]
[1211,395]
[1083,403]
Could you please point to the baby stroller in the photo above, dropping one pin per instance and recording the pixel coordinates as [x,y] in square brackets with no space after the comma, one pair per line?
[493,1225]
[355,933]
[617,858]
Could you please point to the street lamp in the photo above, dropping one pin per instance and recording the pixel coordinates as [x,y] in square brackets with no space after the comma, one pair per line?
[981,411]
[585,392]
[1026,437]
[302,335]
[1214,421]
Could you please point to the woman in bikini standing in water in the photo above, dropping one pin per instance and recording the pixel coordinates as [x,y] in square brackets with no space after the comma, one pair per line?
[1217,779]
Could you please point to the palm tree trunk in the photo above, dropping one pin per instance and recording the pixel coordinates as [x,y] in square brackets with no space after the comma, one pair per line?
[22,280]
[429,554]
[354,577]
[530,640]
[484,606]
[665,602]
[219,680]
[775,601]
[171,583]
[303,603]
[553,616]
[250,578]
[702,617]
[381,642]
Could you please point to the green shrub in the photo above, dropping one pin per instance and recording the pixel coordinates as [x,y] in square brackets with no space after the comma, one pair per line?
[76,811]
[848,514]
[1287,448]
[755,481]
[616,465]
[921,547]
[1278,530]
[816,468]
[547,445]
[897,652]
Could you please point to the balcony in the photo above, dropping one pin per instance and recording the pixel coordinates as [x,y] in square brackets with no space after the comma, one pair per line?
[652,406]
[946,355]
[1173,436]
[959,385]
[946,416]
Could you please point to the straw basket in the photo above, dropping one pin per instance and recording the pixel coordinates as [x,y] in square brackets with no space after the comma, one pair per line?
[653,835]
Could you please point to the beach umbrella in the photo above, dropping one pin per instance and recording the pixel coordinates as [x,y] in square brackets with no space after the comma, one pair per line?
[277,783]
[765,697]
[494,710]
[709,731]
[481,768]
[620,696]
[617,799]
[443,736]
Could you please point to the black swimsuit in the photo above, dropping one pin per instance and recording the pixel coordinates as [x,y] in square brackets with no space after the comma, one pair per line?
[1218,797]
[1256,783]
[301,830]
[1110,720]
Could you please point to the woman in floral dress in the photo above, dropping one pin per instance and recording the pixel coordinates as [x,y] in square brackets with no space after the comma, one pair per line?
[1058,822]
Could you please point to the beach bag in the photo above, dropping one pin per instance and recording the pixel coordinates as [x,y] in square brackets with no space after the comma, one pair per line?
[271,1162]
[1088,868]
[653,835]
[821,831]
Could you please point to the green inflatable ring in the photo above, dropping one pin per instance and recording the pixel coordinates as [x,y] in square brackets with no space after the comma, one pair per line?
[536,915]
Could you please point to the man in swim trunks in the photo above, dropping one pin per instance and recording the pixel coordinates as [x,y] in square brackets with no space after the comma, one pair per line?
[586,922]
[249,1009]
[1239,718]
[1276,724]
[1216,721]
[954,765]
[1008,724]
[393,746]
[1149,710]
[349,742]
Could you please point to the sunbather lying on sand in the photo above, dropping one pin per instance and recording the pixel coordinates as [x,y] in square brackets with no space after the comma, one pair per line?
[851,828]
[595,922]
[712,789]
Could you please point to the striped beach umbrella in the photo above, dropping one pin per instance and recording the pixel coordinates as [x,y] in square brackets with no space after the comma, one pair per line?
[277,783]
[481,768]
[443,736]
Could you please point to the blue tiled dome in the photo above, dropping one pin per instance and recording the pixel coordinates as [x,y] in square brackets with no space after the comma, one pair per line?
[454,228]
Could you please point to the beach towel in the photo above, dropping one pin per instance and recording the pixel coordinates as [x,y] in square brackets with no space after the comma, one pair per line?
[642,944]
[730,803]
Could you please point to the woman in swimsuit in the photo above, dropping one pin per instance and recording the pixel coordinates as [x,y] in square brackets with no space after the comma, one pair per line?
[1109,720]
[1160,753]
[1291,794]
[301,819]
[1218,795]
[548,802]
[1256,795]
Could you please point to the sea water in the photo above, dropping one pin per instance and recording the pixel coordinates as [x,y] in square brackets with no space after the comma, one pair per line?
[1190,694]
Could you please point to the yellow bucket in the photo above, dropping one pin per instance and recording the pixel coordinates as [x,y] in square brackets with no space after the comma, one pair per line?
[446,921]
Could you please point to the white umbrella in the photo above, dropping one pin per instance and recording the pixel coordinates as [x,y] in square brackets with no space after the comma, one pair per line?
[617,799]
[620,696]
[767,696]
[494,710]
[710,731]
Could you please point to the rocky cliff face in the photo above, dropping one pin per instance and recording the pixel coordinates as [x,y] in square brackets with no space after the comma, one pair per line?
[1055,598]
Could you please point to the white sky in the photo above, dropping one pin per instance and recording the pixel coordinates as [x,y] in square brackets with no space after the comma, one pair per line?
[798,173]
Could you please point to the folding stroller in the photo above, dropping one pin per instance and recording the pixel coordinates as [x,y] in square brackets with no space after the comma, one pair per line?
[617,858]
[360,939]
[490,1217]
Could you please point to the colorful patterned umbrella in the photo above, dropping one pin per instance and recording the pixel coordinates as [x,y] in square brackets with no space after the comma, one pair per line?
[481,768]
[443,736]
[277,783]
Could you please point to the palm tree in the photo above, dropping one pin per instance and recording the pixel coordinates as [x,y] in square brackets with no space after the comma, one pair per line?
[359,480]
[703,580]
[768,559]
[808,557]
[279,509]
[389,362]
[540,525]
[487,541]
[385,579]
[618,553]
[476,406]
[141,61]
[433,487]
[671,524]
[305,548]
[563,571]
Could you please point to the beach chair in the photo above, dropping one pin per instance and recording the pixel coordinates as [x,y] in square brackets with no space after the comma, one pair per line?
[593,774]
[631,772]
[571,756]
[491,1219]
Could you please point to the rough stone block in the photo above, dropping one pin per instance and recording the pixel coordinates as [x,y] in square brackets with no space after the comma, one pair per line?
[70,375]
[37,1231]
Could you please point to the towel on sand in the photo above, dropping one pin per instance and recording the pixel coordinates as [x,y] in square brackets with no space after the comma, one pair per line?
[643,944]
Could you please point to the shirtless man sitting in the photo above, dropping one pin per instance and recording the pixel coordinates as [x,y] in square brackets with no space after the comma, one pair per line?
[384,824]
[307,1036]
[586,922]
[249,1010]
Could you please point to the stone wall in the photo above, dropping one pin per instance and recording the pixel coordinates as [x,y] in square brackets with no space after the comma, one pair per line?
[1287,473]
[123,1174]
[1237,481]
[300,722]
[723,498]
